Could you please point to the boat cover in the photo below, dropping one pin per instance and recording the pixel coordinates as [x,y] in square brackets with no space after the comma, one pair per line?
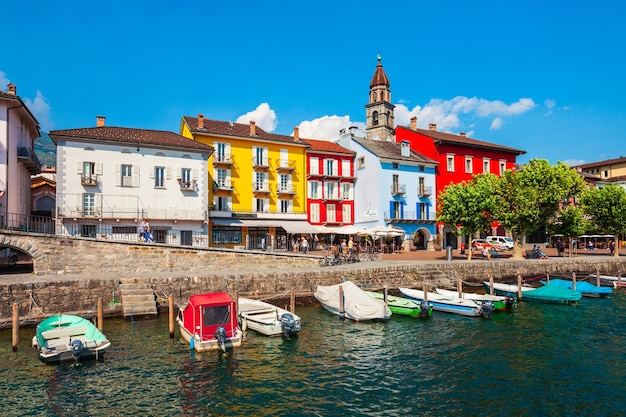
[357,304]
[552,293]
[206,312]
[582,286]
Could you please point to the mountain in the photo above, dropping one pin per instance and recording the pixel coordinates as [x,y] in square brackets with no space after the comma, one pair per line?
[46,150]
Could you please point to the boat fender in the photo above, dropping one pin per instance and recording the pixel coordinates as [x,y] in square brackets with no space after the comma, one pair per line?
[244,324]
[77,347]
[192,342]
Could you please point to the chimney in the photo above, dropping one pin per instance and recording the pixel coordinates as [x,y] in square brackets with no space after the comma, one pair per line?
[405,149]
[252,128]
[432,126]
[413,123]
[200,121]
[462,134]
[100,121]
[12,89]
[296,134]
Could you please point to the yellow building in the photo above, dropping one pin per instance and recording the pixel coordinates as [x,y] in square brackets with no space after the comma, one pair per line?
[604,170]
[258,192]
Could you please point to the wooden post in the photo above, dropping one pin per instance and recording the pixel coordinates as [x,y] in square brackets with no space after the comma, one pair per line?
[574,281]
[236,297]
[100,315]
[597,278]
[619,280]
[342,313]
[16,327]
[385,295]
[425,290]
[491,285]
[292,301]
[170,300]
[459,287]
[519,287]
[547,279]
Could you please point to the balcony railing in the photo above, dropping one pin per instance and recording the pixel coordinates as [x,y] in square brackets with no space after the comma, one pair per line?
[285,189]
[397,189]
[260,188]
[285,165]
[260,163]
[425,191]
[88,179]
[187,185]
[222,186]
[222,159]
[27,157]
[410,216]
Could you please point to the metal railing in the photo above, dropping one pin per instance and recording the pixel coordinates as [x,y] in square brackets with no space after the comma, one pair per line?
[409,215]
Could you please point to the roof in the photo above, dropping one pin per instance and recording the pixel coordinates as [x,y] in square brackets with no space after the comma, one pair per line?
[214,298]
[130,136]
[240,130]
[379,78]
[620,160]
[392,150]
[7,96]
[326,146]
[452,139]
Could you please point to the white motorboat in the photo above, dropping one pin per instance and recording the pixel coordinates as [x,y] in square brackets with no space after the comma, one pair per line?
[349,301]
[267,318]
[499,302]
[447,304]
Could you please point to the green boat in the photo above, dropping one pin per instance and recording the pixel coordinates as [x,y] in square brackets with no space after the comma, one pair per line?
[404,306]
[67,338]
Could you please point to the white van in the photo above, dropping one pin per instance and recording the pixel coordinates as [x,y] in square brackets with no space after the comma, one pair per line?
[503,242]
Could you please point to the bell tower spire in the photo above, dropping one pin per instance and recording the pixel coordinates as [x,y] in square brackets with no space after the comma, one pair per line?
[379,122]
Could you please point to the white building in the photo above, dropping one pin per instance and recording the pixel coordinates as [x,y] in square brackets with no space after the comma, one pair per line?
[18,130]
[109,178]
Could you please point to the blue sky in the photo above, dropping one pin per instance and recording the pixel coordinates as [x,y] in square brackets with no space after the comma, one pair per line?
[543,76]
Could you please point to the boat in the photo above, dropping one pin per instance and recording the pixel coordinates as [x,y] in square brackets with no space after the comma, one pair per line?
[546,294]
[266,318]
[404,306]
[356,304]
[209,322]
[608,280]
[67,338]
[586,288]
[500,302]
[447,304]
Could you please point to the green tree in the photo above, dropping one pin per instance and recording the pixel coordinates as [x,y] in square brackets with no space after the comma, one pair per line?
[467,207]
[530,197]
[606,208]
[569,222]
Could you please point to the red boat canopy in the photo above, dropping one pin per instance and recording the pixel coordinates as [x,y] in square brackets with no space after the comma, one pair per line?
[206,312]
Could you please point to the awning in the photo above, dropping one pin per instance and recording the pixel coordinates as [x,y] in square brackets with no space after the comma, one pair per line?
[290,226]
[294,226]
[226,222]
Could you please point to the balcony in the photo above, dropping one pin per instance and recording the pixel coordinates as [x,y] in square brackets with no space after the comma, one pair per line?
[331,175]
[222,186]
[187,185]
[332,198]
[27,157]
[223,160]
[260,188]
[89,180]
[285,190]
[409,217]
[398,189]
[425,191]
[284,165]
[260,164]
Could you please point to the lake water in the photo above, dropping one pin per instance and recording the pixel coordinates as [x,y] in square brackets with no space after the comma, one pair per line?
[541,360]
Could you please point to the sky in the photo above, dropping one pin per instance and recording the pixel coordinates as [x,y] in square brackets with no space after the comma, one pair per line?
[546,77]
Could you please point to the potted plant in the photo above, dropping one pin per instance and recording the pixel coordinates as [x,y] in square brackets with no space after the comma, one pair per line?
[438,241]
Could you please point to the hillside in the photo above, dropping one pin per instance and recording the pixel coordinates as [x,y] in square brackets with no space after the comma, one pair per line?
[46,150]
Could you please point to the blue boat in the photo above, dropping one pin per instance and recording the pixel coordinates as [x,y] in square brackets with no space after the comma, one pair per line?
[586,288]
[453,305]
[546,294]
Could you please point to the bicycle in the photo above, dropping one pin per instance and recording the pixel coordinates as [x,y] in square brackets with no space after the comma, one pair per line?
[372,254]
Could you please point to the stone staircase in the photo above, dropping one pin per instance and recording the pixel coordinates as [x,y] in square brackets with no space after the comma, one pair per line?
[137,298]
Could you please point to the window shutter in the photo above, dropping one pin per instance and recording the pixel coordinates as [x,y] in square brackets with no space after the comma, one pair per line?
[229,203]
[151,173]
[98,168]
[79,167]
[136,175]
[168,173]
[194,174]
[179,172]
[118,175]
[391,209]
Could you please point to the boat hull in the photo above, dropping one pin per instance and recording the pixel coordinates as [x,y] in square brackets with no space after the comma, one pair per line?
[357,305]
[546,294]
[499,302]
[265,318]
[402,306]
[451,305]
[587,289]
[209,344]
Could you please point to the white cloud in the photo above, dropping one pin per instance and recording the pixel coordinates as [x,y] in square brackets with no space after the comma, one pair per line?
[326,127]
[263,115]
[4,81]
[549,103]
[40,108]
[574,162]
[496,124]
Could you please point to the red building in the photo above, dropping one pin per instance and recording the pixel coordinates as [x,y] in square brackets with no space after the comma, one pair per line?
[330,184]
[459,157]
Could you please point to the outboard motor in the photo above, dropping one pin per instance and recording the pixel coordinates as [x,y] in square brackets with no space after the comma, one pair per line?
[488,308]
[424,308]
[77,348]
[288,324]
[220,335]
[509,303]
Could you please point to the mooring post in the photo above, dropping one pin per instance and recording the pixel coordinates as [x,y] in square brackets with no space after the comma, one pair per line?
[491,284]
[597,278]
[459,286]
[574,281]
[619,279]
[170,301]
[236,297]
[385,295]
[100,314]
[424,289]
[292,301]
[16,327]
[342,313]
[519,287]
[547,279]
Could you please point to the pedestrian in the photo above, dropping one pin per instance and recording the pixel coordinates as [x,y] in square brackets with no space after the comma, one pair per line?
[141,230]
[462,248]
[350,245]
[304,244]
[147,235]
[486,254]
[560,248]
[294,247]
[611,247]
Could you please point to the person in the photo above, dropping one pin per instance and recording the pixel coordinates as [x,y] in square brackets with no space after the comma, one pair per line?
[591,246]
[294,247]
[141,230]
[343,246]
[462,248]
[611,247]
[305,245]
[147,235]
[350,245]
[560,248]
[486,254]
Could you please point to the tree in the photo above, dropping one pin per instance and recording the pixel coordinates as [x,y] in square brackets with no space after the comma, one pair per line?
[467,207]
[569,222]
[530,197]
[606,208]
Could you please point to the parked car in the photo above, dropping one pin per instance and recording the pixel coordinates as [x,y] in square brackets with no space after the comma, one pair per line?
[501,242]
[480,243]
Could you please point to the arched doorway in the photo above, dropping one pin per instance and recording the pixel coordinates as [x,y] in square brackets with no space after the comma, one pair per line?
[15,261]
[421,238]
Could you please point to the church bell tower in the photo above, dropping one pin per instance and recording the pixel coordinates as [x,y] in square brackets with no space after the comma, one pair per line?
[379,124]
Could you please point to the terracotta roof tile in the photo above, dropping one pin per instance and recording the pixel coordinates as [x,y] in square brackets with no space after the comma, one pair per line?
[620,160]
[326,146]
[131,136]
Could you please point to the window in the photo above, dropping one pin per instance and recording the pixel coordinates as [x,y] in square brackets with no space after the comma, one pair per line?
[486,162]
[285,206]
[606,174]
[421,168]
[502,167]
[395,165]
[331,190]
[221,152]
[422,210]
[346,191]
[361,162]
[284,183]
[89,204]
[222,203]
[259,156]
[314,189]
[345,168]
[88,171]
[159,177]
[314,165]
[259,182]
[221,177]
[375,118]
[468,164]
[330,213]
[346,213]
[450,163]
[329,167]
[45,203]
[127,175]
[261,205]
[315,213]
[185,175]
